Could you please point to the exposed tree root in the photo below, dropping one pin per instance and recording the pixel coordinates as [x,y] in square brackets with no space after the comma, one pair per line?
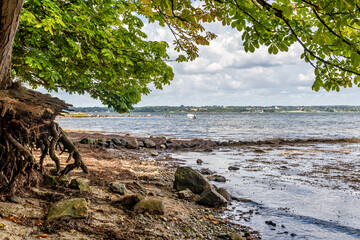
[27,124]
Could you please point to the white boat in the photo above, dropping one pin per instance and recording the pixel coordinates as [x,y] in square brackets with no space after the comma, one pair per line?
[191,116]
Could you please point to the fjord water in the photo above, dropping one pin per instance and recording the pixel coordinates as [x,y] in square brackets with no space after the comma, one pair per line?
[252,126]
[302,191]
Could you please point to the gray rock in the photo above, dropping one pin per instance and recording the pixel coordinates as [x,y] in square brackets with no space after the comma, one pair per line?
[116,142]
[187,193]
[70,208]
[211,198]
[217,178]
[87,141]
[110,144]
[129,201]
[223,192]
[80,185]
[149,143]
[186,177]
[141,143]
[132,143]
[206,171]
[117,187]
[123,142]
[233,168]
[153,205]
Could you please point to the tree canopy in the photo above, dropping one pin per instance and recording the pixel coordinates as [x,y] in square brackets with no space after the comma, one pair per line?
[97,46]
[327,30]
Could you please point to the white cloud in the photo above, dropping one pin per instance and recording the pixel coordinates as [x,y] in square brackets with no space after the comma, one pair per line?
[224,74]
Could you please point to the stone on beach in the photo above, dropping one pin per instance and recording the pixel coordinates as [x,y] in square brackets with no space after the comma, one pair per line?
[223,192]
[149,143]
[186,177]
[132,143]
[117,187]
[70,208]
[129,201]
[211,198]
[55,181]
[187,193]
[87,141]
[153,205]
[80,184]
[116,141]
[141,143]
[216,178]
[206,171]
[233,168]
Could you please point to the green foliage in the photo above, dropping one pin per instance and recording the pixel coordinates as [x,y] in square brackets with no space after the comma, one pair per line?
[92,46]
[97,46]
[328,31]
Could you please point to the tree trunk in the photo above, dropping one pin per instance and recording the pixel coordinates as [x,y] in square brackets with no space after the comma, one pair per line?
[26,117]
[9,21]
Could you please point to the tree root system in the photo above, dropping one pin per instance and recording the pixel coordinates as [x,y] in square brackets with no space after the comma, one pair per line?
[27,125]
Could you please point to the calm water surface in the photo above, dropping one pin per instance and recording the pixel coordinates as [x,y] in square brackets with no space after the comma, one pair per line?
[228,126]
[310,191]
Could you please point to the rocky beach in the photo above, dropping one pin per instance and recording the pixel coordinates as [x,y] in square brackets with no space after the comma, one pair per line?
[161,187]
[134,190]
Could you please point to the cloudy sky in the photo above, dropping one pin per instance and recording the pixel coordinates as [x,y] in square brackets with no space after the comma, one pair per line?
[225,75]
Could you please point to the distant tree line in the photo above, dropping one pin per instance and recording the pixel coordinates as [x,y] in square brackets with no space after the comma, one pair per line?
[227,109]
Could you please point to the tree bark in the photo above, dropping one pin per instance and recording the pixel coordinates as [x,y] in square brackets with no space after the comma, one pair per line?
[9,21]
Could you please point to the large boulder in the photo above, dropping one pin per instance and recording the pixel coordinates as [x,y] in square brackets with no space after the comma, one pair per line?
[70,208]
[211,198]
[132,143]
[153,205]
[149,143]
[186,177]
[80,184]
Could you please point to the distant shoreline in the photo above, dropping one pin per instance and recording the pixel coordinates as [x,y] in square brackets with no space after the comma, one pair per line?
[138,114]
[221,109]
